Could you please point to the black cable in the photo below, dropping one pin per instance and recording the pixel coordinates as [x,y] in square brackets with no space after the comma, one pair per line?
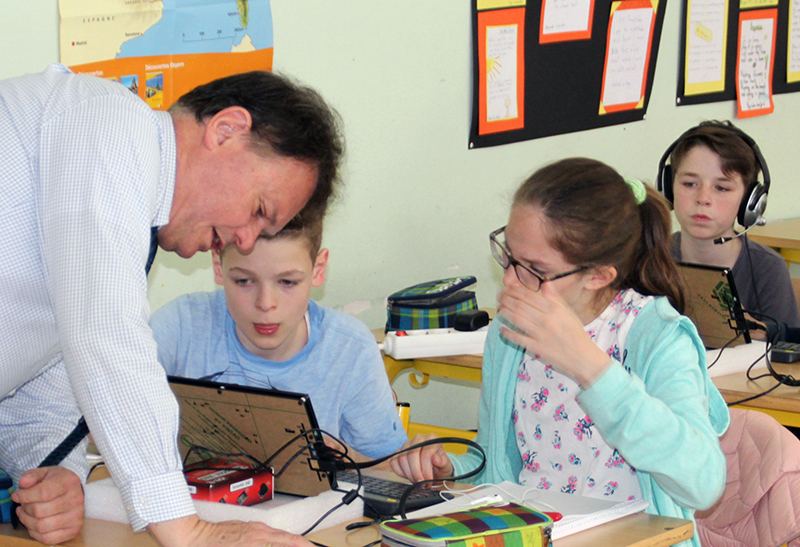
[783,379]
[198,448]
[773,388]
[786,379]
[323,517]
[752,272]
[723,348]
[338,466]
[404,498]
[92,468]
[346,500]
[333,465]
[57,455]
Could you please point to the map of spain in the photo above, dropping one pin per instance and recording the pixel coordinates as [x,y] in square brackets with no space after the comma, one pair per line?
[164,37]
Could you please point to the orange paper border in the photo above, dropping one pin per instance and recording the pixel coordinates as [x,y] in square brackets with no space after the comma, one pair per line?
[771,13]
[624,5]
[565,36]
[182,72]
[514,16]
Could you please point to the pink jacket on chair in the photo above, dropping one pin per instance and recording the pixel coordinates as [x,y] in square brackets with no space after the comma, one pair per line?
[760,506]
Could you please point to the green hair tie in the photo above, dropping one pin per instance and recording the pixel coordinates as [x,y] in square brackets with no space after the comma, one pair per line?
[638,189]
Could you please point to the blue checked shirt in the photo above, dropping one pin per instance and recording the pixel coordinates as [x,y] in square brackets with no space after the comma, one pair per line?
[86,169]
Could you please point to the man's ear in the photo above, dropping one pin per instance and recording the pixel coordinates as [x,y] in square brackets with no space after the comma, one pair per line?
[228,123]
[600,277]
[318,275]
[217,261]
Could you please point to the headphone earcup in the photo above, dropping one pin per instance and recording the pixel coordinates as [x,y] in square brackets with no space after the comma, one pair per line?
[754,203]
[666,183]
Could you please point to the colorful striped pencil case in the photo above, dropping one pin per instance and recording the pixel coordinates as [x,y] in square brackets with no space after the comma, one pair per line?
[500,525]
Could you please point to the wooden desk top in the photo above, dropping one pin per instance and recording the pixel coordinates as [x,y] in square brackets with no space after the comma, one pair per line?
[735,387]
[778,233]
[640,530]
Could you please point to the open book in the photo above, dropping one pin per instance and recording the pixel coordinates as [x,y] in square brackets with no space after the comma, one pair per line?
[578,512]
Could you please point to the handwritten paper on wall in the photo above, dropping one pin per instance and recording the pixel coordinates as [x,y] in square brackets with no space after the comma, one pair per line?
[502,70]
[755,62]
[565,20]
[706,38]
[630,35]
[793,45]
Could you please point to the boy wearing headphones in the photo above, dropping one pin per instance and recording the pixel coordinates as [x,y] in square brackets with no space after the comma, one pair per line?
[712,181]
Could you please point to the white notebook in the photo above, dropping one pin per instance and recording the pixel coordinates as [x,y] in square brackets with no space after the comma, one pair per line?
[579,512]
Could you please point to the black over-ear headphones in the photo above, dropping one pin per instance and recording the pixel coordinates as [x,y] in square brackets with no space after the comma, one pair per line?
[754,200]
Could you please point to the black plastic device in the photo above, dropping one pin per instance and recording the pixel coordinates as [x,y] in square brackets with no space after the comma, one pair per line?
[471,320]
[785,352]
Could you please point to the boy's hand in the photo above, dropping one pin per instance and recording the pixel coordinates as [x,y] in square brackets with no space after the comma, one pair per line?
[426,463]
[51,504]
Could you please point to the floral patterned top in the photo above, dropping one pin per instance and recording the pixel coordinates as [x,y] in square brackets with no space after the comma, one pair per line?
[560,446]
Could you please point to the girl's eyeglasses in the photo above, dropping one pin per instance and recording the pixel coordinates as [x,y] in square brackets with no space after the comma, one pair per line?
[526,276]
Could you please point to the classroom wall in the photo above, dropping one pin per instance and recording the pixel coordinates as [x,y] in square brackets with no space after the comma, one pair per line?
[417,204]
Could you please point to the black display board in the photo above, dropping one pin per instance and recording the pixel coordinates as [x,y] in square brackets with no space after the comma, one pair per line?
[562,81]
[779,84]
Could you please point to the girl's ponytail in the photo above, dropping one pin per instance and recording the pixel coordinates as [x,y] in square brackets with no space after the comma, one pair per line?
[654,271]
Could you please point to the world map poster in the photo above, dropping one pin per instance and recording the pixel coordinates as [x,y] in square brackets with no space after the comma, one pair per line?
[160,49]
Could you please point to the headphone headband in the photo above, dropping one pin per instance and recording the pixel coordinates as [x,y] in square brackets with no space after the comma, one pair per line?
[754,201]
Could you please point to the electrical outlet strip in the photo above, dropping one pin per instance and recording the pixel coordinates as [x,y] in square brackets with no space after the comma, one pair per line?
[416,344]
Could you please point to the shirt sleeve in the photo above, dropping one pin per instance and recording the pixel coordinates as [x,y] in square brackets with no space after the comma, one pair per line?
[663,428]
[370,422]
[95,221]
[775,294]
[167,328]
[34,420]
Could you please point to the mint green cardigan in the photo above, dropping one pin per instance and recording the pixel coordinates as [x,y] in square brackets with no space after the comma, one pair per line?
[660,410]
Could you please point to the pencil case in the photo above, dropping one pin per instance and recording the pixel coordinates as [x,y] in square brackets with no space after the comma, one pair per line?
[504,525]
[430,305]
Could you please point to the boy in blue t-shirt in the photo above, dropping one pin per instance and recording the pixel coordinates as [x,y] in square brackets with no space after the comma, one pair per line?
[263,330]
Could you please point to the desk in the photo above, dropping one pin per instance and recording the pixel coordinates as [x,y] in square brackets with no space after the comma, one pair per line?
[640,530]
[783,404]
[783,235]
[460,367]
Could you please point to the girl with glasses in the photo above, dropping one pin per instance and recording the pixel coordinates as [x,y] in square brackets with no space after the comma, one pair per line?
[593,383]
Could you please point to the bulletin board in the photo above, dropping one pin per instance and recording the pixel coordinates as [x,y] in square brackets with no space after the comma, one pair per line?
[722,33]
[549,67]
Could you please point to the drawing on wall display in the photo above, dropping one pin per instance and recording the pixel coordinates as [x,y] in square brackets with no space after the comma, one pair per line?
[173,44]
[706,39]
[502,70]
[550,67]
[630,33]
[564,20]
[755,62]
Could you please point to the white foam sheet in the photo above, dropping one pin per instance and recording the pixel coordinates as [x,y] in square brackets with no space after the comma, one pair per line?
[736,359]
[288,513]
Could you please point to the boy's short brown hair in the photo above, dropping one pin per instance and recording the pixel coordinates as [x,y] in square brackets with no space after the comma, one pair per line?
[736,155]
[303,226]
